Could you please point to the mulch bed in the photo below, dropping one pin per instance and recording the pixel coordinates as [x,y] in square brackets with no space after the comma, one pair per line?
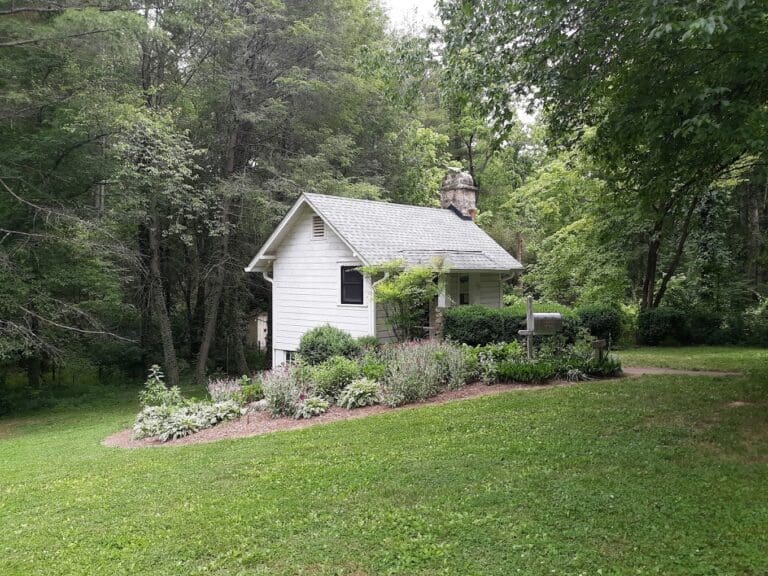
[262,423]
[259,423]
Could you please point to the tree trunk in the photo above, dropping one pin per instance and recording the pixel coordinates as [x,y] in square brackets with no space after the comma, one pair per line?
[209,331]
[159,304]
[217,284]
[649,278]
[672,268]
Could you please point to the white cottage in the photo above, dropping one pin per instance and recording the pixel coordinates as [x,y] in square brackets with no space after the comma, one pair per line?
[312,256]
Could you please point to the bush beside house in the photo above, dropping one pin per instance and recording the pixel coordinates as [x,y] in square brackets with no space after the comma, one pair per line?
[393,375]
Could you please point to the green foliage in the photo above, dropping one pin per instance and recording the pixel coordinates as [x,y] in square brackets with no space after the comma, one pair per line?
[605,444]
[405,293]
[321,343]
[251,392]
[420,370]
[529,372]
[372,367]
[483,360]
[601,320]
[167,422]
[756,324]
[662,326]
[368,344]
[331,376]
[155,392]
[311,407]
[478,325]
[604,367]
[359,393]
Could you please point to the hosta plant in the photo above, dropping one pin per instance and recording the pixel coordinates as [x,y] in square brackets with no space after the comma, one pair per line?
[359,393]
[311,407]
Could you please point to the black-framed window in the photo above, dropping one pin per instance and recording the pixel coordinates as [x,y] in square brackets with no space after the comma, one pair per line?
[463,290]
[351,285]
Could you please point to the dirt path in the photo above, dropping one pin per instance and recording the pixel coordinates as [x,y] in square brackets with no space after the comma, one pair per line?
[261,423]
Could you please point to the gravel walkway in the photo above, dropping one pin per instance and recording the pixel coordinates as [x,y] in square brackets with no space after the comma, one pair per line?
[261,423]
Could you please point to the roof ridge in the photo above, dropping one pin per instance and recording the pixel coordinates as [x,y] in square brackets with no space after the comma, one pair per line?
[384,202]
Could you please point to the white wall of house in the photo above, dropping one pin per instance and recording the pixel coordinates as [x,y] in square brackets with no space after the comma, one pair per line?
[485,289]
[306,288]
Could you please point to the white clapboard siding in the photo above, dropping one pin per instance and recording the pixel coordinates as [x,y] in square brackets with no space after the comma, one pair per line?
[383,330]
[307,285]
[485,289]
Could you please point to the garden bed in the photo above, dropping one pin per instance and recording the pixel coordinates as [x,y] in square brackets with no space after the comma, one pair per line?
[258,423]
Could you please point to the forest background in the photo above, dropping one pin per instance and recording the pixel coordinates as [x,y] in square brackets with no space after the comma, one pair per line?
[147,149]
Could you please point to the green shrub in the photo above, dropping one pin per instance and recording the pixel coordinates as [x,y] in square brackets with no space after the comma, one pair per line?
[372,367]
[534,372]
[604,367]
[662,326]
[601,320]
[481,361]
[705,326]
[755,322]
[368,344]
[480,325]
[155,392]
[311,407]
[323,342]
[359,393]
[252,392]
[333,375]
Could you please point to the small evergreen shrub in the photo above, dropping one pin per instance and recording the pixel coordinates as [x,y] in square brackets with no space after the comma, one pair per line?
[311,407]
[321,343]
[662,326]
[359,393]
[334,374]
[601,320]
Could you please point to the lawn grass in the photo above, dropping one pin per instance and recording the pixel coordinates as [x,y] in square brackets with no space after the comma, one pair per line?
[725,358]
[653,475]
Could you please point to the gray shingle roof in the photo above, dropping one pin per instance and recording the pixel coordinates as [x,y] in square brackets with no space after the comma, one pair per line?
[381,232]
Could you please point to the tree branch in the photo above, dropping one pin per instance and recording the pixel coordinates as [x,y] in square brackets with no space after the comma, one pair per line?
[14,43]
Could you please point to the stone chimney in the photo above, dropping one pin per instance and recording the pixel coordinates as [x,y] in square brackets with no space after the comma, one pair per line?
[458,192]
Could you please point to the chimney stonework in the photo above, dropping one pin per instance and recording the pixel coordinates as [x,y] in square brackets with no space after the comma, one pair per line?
[458,190]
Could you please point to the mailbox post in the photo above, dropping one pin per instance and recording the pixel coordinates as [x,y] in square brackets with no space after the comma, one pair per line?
[539,324]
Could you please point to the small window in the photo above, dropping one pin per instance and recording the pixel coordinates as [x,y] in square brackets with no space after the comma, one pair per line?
[351,285]
[463,290]
[318,227]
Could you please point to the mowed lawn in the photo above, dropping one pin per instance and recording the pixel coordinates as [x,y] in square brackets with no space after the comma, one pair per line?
[654,475]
